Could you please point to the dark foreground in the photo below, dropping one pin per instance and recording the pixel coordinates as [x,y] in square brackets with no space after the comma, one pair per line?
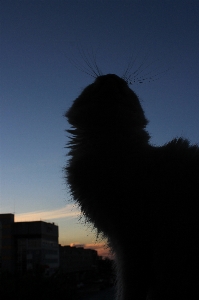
[61,287]
[107,294]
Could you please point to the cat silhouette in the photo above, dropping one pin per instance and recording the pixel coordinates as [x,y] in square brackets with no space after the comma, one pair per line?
[144,199]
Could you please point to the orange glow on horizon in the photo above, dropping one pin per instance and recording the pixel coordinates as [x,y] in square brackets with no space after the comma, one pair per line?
[101,249]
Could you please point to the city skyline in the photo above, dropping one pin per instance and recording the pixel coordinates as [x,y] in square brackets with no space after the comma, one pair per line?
[66,212]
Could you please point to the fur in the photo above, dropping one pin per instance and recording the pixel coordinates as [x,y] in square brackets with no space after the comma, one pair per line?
[144,199]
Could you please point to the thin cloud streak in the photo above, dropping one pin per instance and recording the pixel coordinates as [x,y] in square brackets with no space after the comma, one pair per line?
[101,249]
[65,212]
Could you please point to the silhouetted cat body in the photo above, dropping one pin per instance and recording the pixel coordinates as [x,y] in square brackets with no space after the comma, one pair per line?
[144,199]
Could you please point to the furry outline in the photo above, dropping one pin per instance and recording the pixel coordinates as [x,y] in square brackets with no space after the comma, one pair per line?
[114,172]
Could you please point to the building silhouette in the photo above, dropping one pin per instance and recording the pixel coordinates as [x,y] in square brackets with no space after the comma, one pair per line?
[7,251]
[27,245]
[77,259]
[33,246]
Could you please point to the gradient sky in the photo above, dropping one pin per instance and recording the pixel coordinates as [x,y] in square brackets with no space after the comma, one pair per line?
[40,41]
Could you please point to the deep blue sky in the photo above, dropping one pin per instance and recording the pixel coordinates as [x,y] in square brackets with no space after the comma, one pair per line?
[38,83]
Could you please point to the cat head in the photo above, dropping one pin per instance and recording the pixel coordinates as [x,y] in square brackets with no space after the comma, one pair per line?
[105,105]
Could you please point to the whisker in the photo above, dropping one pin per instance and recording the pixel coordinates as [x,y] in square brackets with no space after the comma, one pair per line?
[137,76]
[86,60]
[95,64]
[81,68]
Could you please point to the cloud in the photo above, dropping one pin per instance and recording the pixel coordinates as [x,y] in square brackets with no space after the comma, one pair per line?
[77,245]
[67,211]
[101,249]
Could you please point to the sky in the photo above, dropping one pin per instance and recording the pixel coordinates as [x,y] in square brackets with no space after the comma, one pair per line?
[44,46]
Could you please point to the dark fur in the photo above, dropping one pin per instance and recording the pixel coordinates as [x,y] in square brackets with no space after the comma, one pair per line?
[145,199]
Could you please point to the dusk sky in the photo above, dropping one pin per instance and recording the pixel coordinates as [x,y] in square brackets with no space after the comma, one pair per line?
[41,43]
